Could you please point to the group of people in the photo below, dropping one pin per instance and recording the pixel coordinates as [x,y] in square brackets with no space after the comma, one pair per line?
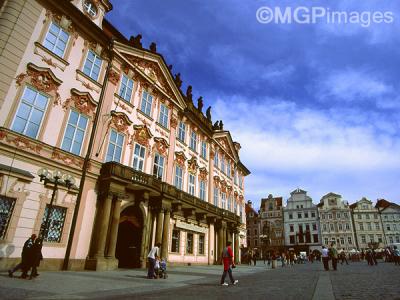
[392,255]
[30,258]
[157,266]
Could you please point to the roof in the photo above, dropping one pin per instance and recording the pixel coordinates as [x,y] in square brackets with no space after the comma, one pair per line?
[249,209]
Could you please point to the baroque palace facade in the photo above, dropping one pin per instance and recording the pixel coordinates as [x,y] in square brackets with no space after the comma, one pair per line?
[157,169]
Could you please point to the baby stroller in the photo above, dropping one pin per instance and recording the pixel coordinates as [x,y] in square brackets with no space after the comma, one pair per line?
[162,270]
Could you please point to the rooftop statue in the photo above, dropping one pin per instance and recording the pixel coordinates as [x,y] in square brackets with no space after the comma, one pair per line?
[189,96]
[135,41]
[200,104]
[153,47]
[178,80]
[208,113]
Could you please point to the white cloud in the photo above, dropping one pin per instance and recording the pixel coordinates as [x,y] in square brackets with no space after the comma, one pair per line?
[306,147]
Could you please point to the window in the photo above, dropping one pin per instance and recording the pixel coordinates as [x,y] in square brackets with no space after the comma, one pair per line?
[326,241]
[359,216]
[306,215]
[235,180]
[291,228]
[324,226]
[367,216]
[314,226]
[375,216]
[361,225]
[193,141]
[240,181]
[290,216]
[332,227]
[342,240]
[323,216]
[175,241]
[307,227]
[125,91]
[216,196]
[158,168]
[181,131]
[345,215]
[223,200]
[192,180]
[115,146]
[30,113]
[163,118]
[291,239]
[340,226]
[203,190]
[138,157]
[203,150]
[388,227]
[298,215]
[90,8]
[255,231]
[92,65]
[189,243]
[216,160]
[369,226]
[255,243]
[315,238]
[74,133]
[338,215]
[56,39]
[371,238]
[391,239]
[201,244]
[222,164]
[147,101]
[349,240]
[330,216]
[347,226]
[377,227]
[178,177]
[379,238]
[228,169]
[56,223]
[363,240]
[6,210]
[312,214]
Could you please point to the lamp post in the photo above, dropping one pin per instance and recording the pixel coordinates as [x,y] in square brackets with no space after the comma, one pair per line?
[56,178]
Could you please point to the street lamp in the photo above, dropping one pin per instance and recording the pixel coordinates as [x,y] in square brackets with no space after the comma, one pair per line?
[56,178]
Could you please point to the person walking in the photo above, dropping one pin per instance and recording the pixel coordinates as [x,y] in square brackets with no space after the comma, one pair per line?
[325,258]
[227,260]
[334,256]
[373,256]
[343,257]
[152,256]
[255,258]
[36,257]
[25,258]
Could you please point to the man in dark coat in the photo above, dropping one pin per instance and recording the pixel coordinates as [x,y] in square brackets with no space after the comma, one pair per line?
[36,257]
[25,257]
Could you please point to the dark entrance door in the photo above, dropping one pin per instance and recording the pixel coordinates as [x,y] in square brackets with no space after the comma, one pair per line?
[129,238]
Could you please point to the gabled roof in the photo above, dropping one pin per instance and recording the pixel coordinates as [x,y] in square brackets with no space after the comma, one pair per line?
[383,204]
[330,194]
[249,209]
[224,140]
[142,60]
[298,191]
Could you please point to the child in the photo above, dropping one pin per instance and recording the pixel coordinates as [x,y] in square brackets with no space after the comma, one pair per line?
[163,269]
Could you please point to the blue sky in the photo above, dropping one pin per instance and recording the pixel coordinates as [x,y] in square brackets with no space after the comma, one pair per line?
[314,106]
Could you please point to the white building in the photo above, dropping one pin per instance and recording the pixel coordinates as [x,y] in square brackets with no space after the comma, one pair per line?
[367,225]
[390,216]
[335,222]
[301,223]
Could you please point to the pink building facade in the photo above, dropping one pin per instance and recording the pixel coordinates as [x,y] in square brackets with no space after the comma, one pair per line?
[159,170]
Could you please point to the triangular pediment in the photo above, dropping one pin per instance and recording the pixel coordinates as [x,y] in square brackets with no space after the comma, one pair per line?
[151,67]
[225,142]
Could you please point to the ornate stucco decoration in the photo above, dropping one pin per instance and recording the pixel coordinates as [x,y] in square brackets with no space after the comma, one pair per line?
[160,145]
[241,198]
[43,79]
[114,76]
[174,121]
[121,121]
[82,101]
[153,71]
[142,135]
[203,173]
[236,194]
[192,165]
[21,142]
[223,186]
[217,181]
[180,158]
[68,159]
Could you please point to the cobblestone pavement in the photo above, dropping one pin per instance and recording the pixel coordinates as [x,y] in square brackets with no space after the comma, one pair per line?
[307,281]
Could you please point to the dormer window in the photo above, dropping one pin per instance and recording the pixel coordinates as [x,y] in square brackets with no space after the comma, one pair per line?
[90,8]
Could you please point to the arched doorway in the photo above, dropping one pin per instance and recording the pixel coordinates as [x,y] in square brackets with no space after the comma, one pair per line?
[129,238]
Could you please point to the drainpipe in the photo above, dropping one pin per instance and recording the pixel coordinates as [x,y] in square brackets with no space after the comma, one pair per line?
[87,159]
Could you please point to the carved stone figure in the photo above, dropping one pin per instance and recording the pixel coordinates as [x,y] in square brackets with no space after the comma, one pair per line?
[200,104]
[221,125]
[216,125]
[208,113]
[153,47]
[135,41]
[189,96]
[178,80]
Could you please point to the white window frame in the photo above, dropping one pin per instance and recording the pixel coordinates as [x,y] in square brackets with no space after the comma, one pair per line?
[203,190]
[178,181]
[223,200]
[32,106]
[115,145]
[125,90]
[47,43]
[139,155]
[181,131]
[192,184]
[75,130]
[93,63]
[203,149]
[146,104]
[163,116]
[216,196]
[158,167]
[193,141]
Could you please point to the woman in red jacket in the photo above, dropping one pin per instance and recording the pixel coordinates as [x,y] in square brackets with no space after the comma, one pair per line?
[227,260]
